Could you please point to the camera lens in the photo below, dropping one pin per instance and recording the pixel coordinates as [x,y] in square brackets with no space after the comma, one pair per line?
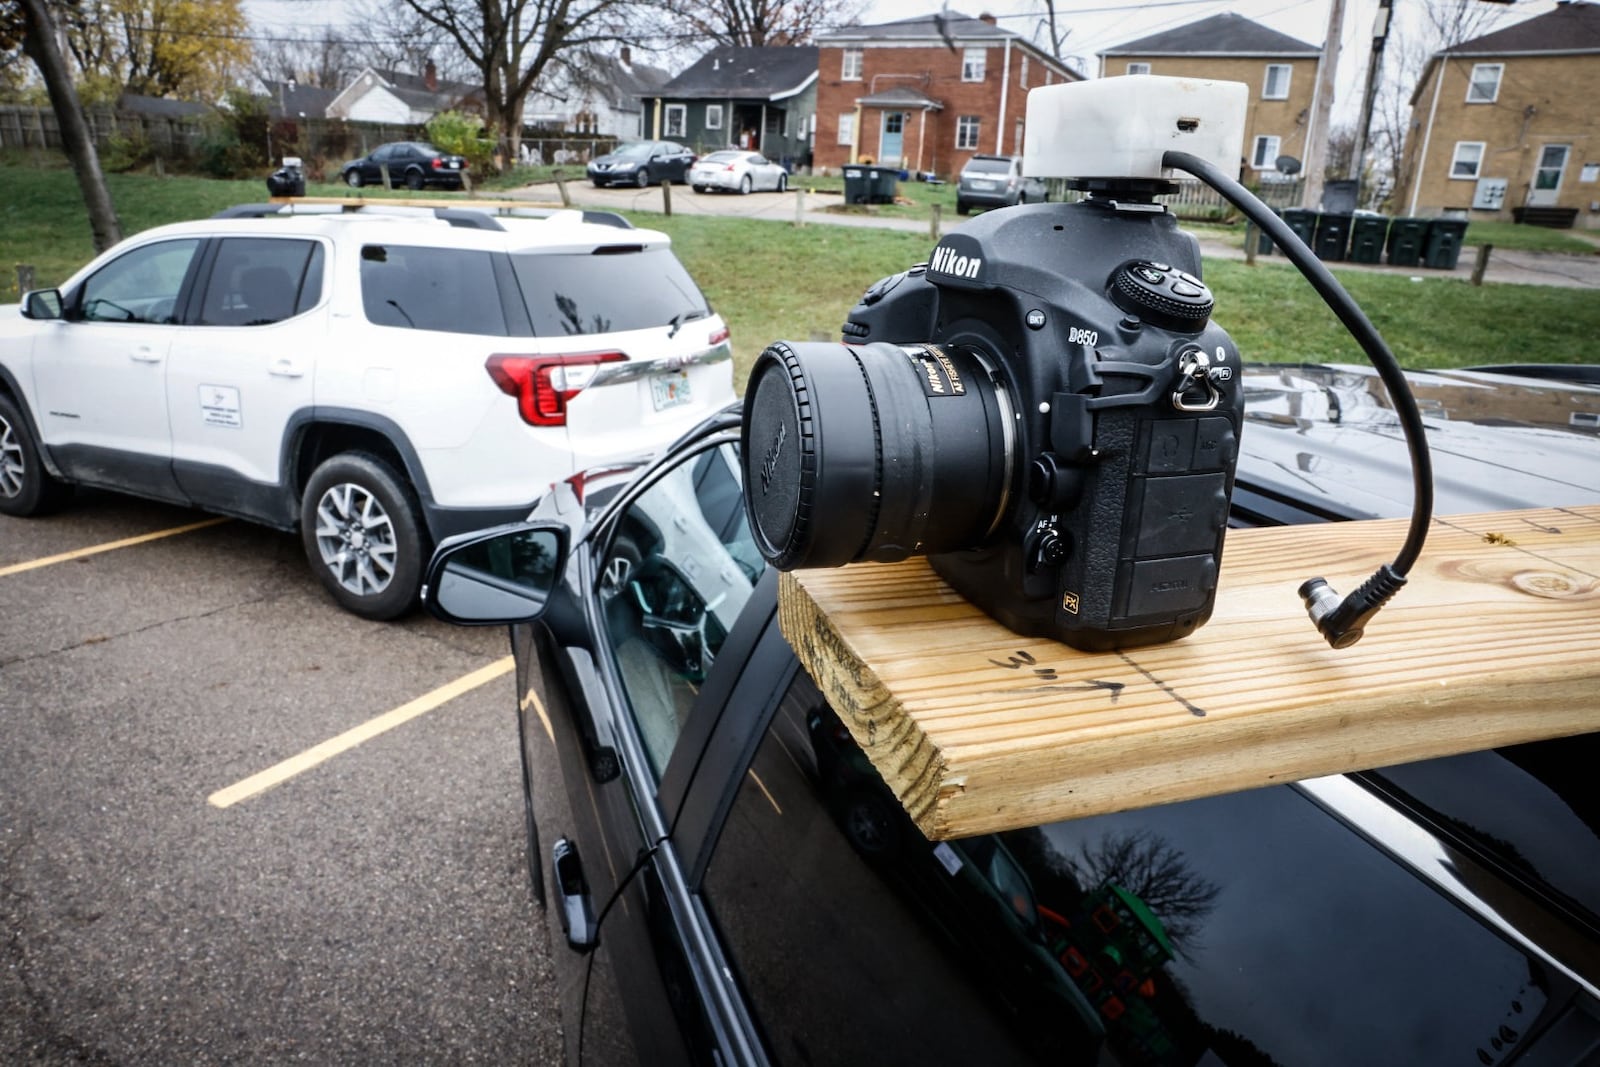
[873,452]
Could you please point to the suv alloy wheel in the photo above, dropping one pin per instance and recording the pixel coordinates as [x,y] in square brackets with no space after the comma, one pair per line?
[26,488]
[362,537]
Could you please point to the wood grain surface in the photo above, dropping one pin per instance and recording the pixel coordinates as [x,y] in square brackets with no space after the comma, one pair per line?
[1494,640]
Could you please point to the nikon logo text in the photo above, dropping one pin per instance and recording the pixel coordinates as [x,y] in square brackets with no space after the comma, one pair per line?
[946,261]
[769,462]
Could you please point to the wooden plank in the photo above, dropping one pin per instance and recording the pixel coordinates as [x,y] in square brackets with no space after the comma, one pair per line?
[1495,640]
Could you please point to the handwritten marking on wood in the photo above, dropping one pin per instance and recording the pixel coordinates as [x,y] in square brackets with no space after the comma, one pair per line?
[1495,640]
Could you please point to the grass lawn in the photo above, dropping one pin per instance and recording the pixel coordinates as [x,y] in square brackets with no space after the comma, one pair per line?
[773,280]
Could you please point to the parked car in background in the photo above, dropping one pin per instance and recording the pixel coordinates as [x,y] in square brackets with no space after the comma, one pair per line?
[374,380]
[996,181]
[762,897]
[737,171]
[414,164]
[642,163]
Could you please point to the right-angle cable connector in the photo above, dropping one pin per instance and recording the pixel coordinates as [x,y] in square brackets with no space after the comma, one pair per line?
[1342,622]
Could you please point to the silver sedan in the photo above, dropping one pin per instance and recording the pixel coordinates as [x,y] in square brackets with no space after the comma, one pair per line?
[733,170]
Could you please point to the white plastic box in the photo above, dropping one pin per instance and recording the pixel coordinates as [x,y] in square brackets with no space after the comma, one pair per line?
[1120,127]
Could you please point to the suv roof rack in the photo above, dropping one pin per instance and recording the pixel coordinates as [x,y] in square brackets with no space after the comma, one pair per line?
[480,215]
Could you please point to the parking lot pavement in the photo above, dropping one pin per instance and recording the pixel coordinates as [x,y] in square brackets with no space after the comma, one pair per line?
[371,906]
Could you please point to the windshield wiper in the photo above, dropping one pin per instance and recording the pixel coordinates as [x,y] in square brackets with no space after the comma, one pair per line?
[677,321]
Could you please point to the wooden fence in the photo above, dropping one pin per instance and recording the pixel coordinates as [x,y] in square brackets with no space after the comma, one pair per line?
[325,142]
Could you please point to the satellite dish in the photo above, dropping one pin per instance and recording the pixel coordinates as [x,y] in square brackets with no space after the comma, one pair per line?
[1287,165]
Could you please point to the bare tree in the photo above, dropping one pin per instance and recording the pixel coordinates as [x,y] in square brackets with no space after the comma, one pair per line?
[1140,862]
[1156,873]
[758,23]
[324,59]
[30,25]
[512,44]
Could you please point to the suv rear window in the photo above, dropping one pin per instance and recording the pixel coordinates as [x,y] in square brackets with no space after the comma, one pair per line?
[448,289]
[618,288]
[988,166]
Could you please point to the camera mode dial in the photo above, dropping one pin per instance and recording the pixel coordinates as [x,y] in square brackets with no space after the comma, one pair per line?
[1162,295]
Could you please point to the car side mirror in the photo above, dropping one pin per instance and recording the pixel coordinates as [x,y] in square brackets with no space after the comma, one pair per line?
[496,577]
[42,304]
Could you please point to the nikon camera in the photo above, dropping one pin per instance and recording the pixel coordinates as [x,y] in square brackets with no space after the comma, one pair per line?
[1045,408]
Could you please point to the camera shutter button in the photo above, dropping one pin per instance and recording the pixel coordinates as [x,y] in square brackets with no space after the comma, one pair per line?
[1172,300]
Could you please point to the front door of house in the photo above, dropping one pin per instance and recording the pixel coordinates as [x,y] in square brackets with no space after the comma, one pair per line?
[892,145]
[1547,176]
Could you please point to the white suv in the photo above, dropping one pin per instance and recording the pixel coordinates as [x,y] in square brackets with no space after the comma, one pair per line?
[375,381]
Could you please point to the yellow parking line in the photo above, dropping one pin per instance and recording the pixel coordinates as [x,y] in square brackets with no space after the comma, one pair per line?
[531,700]
[311,757]
[109,546]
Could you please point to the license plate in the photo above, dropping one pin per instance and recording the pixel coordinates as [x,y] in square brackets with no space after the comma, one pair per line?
[669,390]
[455,166]
[980,183]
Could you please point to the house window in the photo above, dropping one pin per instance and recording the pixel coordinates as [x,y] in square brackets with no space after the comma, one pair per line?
[967,131]
[1264,156]
[1484,85]
[1277,84]
[1022,75]
[713,116]
[972,63]
[847,128]
[1468,159]
[1138,68]
[851,71]
[677,120]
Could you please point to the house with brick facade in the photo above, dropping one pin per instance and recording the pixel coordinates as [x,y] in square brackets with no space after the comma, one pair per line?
[1280,70]
[1506,125]
[758,98]
[926,94]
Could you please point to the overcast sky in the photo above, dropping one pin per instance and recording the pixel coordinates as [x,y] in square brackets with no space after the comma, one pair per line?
[1095,24]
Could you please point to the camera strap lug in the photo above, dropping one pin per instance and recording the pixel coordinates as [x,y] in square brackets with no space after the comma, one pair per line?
[1194,372]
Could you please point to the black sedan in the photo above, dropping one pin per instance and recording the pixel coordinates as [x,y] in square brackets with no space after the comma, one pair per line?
[642,163]
[414,164]
[761,897]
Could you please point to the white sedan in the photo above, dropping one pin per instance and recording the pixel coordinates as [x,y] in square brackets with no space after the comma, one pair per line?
[737,171]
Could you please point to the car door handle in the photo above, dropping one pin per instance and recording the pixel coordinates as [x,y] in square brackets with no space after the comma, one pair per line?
[286,368]
[577,910]
[145,354]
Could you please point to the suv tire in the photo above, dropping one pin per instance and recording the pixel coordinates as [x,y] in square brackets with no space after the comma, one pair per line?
[962,207]
[359,527]
[26,488]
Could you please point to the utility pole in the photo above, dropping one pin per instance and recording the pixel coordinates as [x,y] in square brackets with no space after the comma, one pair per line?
[1380,37]
[1322,108]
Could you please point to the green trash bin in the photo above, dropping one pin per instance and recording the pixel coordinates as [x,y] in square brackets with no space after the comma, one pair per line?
[1443,245]
[1303,222]
[1263,239]
[870,185]
[1404,246]
[1367,235]
[1331,239]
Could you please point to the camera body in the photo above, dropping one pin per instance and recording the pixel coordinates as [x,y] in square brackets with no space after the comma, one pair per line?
[1126,413]
[1044,408]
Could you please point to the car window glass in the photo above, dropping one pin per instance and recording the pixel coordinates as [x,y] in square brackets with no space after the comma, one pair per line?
[570,295]
[677,572]
[989,166]
[256,281]
[447,289]
[1216,931]
[139,286]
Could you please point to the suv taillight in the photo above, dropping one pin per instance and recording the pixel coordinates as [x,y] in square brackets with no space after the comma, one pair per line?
[545,385]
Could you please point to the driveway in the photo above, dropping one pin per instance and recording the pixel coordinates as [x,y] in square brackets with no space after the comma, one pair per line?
[1506,266]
